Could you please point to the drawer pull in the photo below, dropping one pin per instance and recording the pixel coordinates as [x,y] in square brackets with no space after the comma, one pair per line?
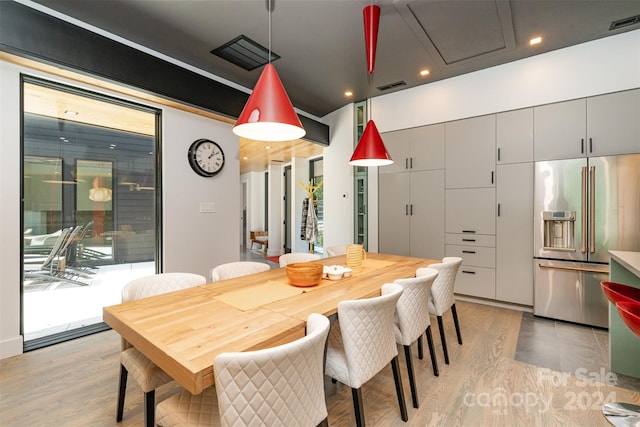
[468,240]
[468,231]
[468,252]
[468,272]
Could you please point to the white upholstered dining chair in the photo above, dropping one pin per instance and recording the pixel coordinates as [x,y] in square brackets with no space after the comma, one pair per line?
[278,386]
[132,361]
[292,257]
[442,296]
[362,342]
[412,320]
[237,269]
[336,250]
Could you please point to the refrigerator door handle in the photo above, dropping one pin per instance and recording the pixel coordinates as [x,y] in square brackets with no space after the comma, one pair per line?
[592,210]
[603,269]
[583,208]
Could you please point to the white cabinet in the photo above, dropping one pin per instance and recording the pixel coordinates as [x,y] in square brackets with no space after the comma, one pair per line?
[415,149]
[470,227]
[559,129]
[393,213]
[514,233]
[471,211]
[411,213]
[597,126]
[469,152]
[613,123]
[514,136]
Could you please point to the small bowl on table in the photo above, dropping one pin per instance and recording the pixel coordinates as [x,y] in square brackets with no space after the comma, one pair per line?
[304,274]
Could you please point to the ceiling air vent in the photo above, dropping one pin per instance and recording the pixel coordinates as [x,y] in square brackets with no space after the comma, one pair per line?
[632,20]
[392,85]
[245,53]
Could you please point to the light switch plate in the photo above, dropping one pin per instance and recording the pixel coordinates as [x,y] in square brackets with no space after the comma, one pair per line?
[207,207]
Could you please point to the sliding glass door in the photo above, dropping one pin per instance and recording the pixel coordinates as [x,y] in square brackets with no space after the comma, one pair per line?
[89,206]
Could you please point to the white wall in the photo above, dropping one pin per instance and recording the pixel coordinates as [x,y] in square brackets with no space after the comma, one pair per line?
[193,241]
[601,66]
[338,178]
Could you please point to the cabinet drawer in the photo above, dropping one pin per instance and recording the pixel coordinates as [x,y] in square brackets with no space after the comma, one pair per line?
[470,239]
[477,256]
[476,281]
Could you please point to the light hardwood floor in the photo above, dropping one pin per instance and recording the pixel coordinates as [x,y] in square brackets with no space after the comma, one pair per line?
[75,384]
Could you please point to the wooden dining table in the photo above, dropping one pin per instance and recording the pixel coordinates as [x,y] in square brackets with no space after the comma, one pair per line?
[183,331]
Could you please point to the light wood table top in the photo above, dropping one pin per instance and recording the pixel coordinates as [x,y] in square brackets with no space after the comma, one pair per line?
[183,331]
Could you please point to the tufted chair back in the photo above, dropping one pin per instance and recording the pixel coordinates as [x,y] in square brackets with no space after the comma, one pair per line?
[278,386]
[297,257]
[237,269]
[442,297]
[412,311]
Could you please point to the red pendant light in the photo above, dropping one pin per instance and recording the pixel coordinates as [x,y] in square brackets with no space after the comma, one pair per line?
[370,150]
[268,114]
[371,16]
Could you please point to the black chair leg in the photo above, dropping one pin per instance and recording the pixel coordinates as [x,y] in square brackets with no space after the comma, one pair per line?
[455,321]
[122,389]
[420,351]
[150,408]
[412,378]
[399,390]
[432,352]
[443,339]
[358,407]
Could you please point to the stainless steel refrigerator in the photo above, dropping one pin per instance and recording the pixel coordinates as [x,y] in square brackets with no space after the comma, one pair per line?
[582,209]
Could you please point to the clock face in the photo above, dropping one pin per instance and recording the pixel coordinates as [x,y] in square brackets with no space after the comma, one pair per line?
[206,157]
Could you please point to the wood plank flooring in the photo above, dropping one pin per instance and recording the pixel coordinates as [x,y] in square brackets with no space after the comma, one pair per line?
[75,384]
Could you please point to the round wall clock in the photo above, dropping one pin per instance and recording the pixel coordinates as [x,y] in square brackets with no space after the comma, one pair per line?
[206,157]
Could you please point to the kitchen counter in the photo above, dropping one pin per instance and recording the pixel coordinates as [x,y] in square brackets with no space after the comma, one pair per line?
[624,346]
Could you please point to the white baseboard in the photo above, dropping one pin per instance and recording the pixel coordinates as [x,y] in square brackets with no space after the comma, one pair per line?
[510,306]
[11,347]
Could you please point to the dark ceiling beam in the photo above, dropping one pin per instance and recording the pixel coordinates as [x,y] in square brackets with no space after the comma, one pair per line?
[35,35]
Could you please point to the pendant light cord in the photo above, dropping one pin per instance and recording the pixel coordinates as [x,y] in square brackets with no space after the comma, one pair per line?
[270,31]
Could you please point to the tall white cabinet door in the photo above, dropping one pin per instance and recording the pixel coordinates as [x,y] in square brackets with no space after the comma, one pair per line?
[470,152]
[514,136]
[514,236]
[427,148]
[613,123]
[393,213]
[398,145]
[471,211]
[559,130]
[427,219]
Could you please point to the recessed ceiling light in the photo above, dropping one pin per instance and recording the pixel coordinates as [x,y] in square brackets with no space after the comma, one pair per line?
[267,147]
[70,113]
[535,40]
[245,158]
[425,72]
[348,93]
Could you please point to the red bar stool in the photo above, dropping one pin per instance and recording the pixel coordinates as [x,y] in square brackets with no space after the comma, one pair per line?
[627,301]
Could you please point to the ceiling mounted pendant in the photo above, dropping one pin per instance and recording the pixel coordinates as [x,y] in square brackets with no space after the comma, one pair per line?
[370,150]
[268,114]
[371,15]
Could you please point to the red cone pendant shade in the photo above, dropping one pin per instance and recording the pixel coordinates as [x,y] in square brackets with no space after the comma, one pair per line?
[268,114]
[371,22]
[370,151]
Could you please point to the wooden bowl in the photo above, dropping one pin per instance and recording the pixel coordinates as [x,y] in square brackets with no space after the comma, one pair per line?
[304,274]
